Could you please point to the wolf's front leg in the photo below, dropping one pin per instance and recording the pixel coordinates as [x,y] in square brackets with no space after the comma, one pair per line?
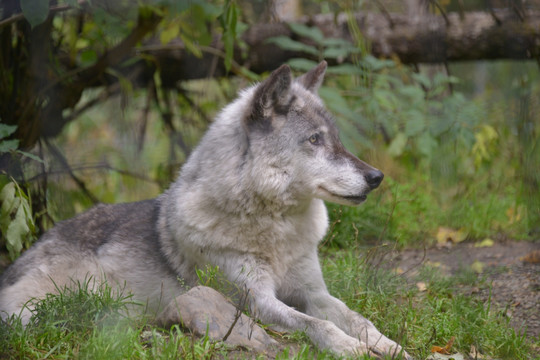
[314,299]
[256,278]
[325,334]
[324,306]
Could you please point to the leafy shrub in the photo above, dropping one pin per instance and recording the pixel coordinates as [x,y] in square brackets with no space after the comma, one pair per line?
[17,225]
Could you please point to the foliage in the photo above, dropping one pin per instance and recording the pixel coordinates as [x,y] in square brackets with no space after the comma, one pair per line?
[437,148]
[322,48]
[35,11]
[72,46]
[229,21]
[16,219]
[426,128]
[17,225]
[419,122]
[10,146]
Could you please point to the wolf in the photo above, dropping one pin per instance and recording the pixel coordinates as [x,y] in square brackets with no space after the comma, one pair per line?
[249,200]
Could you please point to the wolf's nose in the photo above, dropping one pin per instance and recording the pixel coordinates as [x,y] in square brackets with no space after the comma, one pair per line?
[374,178]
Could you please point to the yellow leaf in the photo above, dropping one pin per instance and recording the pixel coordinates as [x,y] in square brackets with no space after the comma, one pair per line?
[445,235]
[478,266]
[169,33]
[449,344]
[438,349]
[485,243]
[444,350]
[421,286]
[514,214]
[484,147]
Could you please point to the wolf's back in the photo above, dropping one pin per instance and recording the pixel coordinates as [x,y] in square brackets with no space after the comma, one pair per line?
[92,244]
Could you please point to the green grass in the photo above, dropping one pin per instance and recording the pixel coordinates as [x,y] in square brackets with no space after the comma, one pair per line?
[80,324]
[83,324]
[421,319]
[408,212]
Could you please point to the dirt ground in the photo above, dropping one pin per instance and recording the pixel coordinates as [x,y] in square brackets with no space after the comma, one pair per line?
[512,268]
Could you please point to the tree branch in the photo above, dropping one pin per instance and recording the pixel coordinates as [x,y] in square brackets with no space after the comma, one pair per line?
[145,24]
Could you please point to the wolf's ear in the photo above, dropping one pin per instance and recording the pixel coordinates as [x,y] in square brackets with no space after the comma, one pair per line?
[273,93]
[313,79]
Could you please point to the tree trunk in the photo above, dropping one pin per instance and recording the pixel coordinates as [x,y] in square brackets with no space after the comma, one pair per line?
[420,39]
[428,38]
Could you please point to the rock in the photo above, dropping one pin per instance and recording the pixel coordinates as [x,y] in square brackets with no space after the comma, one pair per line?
[204,311]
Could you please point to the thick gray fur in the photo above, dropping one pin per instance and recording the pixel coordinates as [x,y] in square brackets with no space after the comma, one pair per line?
[248,200]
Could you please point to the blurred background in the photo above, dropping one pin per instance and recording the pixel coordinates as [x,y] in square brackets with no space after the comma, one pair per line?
[103,101]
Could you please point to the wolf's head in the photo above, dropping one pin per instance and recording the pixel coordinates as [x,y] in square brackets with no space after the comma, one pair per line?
[295,141]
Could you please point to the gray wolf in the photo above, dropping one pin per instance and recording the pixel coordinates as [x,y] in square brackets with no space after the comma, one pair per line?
[249,200]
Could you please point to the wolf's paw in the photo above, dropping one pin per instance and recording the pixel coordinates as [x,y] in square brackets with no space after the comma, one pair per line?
[360,348]
[349,346]
[379,344]
[330,337]
[390,348]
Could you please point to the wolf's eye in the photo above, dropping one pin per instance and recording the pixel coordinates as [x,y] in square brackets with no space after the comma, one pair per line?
[314,139]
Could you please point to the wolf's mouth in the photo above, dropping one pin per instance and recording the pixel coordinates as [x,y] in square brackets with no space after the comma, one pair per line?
[356,199]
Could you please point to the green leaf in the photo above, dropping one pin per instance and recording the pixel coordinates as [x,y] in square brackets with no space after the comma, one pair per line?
[301,64]
[7,197]
[348,120]
[313,33]
[31,156]
[328,42]
[8,145]
[415,124]
[88,57]
[386,99]
[169,33]
[229,20]
[6,130]
[35,11]
[210,10]
[338,52]
[414,93]
[345,69]
[426,144]
[190,45]
[422,79]
[440,125]
[11,226]
[337,103]
[16,233]
[377,64]
[397,146]
[288,44]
